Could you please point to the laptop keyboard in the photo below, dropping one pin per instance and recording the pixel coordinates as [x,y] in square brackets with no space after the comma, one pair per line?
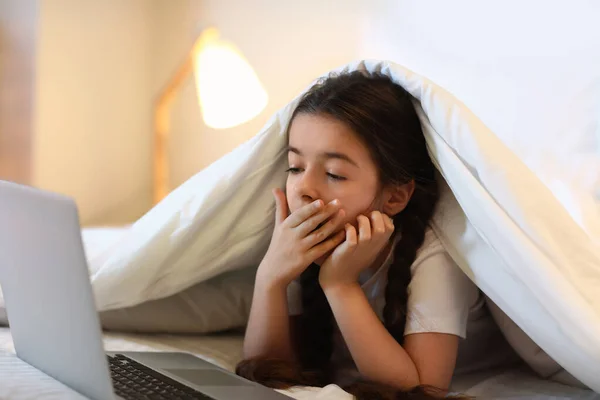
[134,381]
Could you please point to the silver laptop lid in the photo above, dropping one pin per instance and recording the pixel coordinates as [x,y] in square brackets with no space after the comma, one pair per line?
[47,291]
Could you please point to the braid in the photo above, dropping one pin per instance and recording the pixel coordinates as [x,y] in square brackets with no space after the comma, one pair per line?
[315,324]
[412,221]
[314,336]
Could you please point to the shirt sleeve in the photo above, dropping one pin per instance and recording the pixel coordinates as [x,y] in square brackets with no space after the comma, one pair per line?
[294,298]
[440,295]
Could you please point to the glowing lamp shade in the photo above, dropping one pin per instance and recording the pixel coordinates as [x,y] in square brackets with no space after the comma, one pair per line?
[228,89]
[229,94]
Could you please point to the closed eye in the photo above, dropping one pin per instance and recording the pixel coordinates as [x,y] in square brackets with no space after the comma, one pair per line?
[293,170]
[336,177]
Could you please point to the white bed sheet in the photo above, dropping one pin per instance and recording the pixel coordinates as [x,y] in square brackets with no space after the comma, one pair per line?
[224,350]
[19,381]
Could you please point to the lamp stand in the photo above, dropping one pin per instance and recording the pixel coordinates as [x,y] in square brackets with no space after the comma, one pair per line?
[162,110]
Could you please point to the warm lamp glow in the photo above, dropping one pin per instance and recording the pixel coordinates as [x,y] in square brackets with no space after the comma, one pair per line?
[228,89]
[229,93]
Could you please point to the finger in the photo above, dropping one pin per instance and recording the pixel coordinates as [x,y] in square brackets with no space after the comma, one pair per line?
[324,247]
[328,228]
[281,206]
[351,236]
[311,223]
[350,239]
[300,215]
[378,224]
[364,228]
[389,222]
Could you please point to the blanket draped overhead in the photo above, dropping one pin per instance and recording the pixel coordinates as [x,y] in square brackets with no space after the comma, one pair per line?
[496,218]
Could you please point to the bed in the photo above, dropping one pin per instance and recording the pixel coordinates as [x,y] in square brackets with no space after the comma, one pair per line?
[21,381]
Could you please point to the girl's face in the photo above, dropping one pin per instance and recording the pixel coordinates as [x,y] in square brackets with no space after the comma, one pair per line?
[327,161]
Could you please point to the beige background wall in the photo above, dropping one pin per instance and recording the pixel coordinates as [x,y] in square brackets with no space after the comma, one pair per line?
[100,64]
[92,116]
[18,33]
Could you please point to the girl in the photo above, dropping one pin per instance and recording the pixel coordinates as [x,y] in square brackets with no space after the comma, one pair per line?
[355,289]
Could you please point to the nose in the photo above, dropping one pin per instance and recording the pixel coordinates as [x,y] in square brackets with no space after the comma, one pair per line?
[307,187]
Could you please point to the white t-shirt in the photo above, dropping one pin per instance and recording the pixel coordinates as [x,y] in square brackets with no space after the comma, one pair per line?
[441,299]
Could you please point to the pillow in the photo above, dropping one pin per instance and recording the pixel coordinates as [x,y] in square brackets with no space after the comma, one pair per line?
[219,304]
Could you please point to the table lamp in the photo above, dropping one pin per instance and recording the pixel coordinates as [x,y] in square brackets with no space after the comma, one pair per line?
[228,90]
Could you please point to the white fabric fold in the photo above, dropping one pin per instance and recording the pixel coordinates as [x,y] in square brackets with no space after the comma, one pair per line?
[496,218]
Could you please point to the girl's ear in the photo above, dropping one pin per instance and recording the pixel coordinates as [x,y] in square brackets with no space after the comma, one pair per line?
[396,197]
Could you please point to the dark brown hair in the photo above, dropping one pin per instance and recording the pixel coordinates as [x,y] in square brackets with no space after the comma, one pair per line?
[382,115]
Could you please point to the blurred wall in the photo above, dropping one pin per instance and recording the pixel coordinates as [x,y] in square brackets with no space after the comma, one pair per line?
[93,114]
[529,70]
[18,32]
[519,66]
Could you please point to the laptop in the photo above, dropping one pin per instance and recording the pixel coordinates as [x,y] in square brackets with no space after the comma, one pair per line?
[54,322]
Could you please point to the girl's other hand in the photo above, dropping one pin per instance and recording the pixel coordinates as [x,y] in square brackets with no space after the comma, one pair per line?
[358,251]
[299,239]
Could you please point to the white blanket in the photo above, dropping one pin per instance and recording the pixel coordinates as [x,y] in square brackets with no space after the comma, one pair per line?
[497,219]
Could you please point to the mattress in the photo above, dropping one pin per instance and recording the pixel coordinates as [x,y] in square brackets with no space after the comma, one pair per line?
[22,382]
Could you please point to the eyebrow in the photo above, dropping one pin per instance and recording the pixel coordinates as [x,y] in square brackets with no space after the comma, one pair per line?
[336,155]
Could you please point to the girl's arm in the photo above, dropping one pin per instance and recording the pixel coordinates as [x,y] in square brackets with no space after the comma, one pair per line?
[434,355]
[268,332]
[297,241]
[440,298]
[376,353]
[427,359]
